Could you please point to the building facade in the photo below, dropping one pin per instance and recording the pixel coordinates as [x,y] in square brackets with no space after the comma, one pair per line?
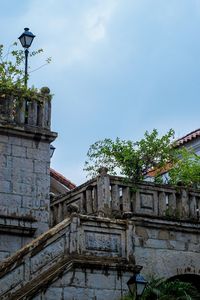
[86,243]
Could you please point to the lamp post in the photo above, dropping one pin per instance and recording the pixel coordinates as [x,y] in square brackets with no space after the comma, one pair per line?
[136,285]
[26,39]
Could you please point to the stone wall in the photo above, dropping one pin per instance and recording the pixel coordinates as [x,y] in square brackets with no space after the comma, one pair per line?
[87,284]
[24,190]
[167,248]
[24,174]
[90,257]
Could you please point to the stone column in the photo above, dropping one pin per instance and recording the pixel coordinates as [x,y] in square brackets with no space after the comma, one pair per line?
[103,193]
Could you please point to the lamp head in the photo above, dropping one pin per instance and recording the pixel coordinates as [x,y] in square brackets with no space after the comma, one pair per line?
[26,38]
[137,284]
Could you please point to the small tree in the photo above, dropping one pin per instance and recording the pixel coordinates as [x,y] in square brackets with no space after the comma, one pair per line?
[135,159]
[131,159]
[186,169]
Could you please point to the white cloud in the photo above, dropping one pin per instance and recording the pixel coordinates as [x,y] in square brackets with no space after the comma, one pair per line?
[68,30]
[98,18]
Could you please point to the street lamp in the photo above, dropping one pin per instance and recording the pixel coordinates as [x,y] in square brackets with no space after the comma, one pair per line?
[26,39]
[136,285]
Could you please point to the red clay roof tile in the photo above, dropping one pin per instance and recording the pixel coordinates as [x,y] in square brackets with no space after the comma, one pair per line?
[187,138]
[63,180]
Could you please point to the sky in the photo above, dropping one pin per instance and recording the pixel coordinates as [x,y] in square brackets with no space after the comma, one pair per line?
[119,68]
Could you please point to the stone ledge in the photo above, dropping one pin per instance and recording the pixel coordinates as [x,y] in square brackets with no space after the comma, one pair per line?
[173,225]
[20,226]
[29,132]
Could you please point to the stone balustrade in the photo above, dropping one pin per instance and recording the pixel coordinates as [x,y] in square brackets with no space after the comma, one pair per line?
[36,112]
[116,197]
[82,199]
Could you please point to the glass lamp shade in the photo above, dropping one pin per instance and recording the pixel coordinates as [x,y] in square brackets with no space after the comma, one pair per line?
[141,284]
[137,284]
[26,38]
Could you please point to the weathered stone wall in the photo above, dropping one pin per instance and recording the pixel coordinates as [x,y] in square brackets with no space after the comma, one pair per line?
[167,248]
[90,257]
[25,139]
[82,254]
[24,190]
[87,284]
[165,220]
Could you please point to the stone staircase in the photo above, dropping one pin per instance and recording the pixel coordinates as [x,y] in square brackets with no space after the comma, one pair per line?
[78,242]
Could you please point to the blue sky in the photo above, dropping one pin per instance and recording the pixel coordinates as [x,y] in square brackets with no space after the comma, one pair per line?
[119,67]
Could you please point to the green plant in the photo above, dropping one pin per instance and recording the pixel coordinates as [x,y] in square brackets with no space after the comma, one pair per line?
[135,159]
[132,159]
[186,170]
[161,289]
[12,75]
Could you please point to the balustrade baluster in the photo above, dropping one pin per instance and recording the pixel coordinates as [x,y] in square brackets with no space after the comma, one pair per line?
[89,206]
[20,112]
[137,201]
[32,113]
[115,201]
[198,208]
[193,207]
[7,109]
[60,212]
[95,199]
[51,215]
[172,205]
[83,202]
[133,200]
[126,199]
[40,116]
[55,215]
[185,210]
[46,115]
[162,205]
[65,211]
[103,193]
[49,114]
